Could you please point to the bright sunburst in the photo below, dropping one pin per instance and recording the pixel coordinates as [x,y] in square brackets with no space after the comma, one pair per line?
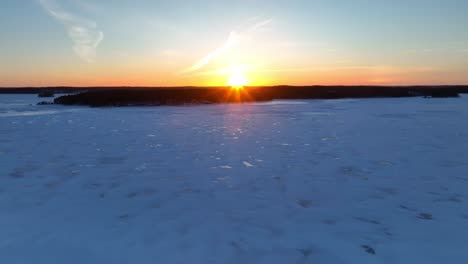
[237,80]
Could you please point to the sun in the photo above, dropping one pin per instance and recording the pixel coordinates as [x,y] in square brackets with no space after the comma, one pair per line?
[237,80]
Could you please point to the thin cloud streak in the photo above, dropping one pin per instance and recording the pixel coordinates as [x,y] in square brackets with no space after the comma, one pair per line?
[230,42]
[86,38]
[233,39]
[260,24]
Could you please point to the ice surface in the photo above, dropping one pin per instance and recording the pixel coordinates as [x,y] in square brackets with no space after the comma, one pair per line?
[310,181]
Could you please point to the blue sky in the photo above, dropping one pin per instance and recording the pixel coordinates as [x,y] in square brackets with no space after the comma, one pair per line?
[143,42]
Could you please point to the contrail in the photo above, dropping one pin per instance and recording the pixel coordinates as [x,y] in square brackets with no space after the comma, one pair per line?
[230,42]
[233,39]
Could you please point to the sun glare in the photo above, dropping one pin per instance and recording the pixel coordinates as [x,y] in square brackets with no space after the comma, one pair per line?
[237,80]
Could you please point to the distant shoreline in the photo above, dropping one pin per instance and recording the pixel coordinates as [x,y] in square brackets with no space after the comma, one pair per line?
[68,89]
[154,96]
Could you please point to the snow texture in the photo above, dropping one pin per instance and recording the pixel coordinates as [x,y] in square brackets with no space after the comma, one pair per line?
[313,181]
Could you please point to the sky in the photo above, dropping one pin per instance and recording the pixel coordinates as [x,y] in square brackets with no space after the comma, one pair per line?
[206,43]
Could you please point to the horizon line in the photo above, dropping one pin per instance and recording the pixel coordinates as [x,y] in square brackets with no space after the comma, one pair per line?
[227,86]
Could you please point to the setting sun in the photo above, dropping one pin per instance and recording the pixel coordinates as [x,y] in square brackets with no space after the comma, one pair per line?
[237,80]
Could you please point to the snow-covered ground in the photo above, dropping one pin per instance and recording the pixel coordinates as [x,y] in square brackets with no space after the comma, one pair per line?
[339,181]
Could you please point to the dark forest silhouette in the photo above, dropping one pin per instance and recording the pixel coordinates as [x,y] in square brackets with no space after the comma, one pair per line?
[193,95]
[153,96]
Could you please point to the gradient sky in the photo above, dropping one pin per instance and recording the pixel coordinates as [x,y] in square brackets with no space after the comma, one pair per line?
[176,42]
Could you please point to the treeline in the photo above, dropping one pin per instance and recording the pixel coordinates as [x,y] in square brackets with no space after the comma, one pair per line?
[125,96]
[38,90]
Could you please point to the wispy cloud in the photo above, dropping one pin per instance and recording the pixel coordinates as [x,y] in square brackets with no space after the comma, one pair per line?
[260,24]
[84,34]
[233,39]
[228,44]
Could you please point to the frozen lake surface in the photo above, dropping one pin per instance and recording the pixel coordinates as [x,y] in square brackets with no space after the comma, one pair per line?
[338,181]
